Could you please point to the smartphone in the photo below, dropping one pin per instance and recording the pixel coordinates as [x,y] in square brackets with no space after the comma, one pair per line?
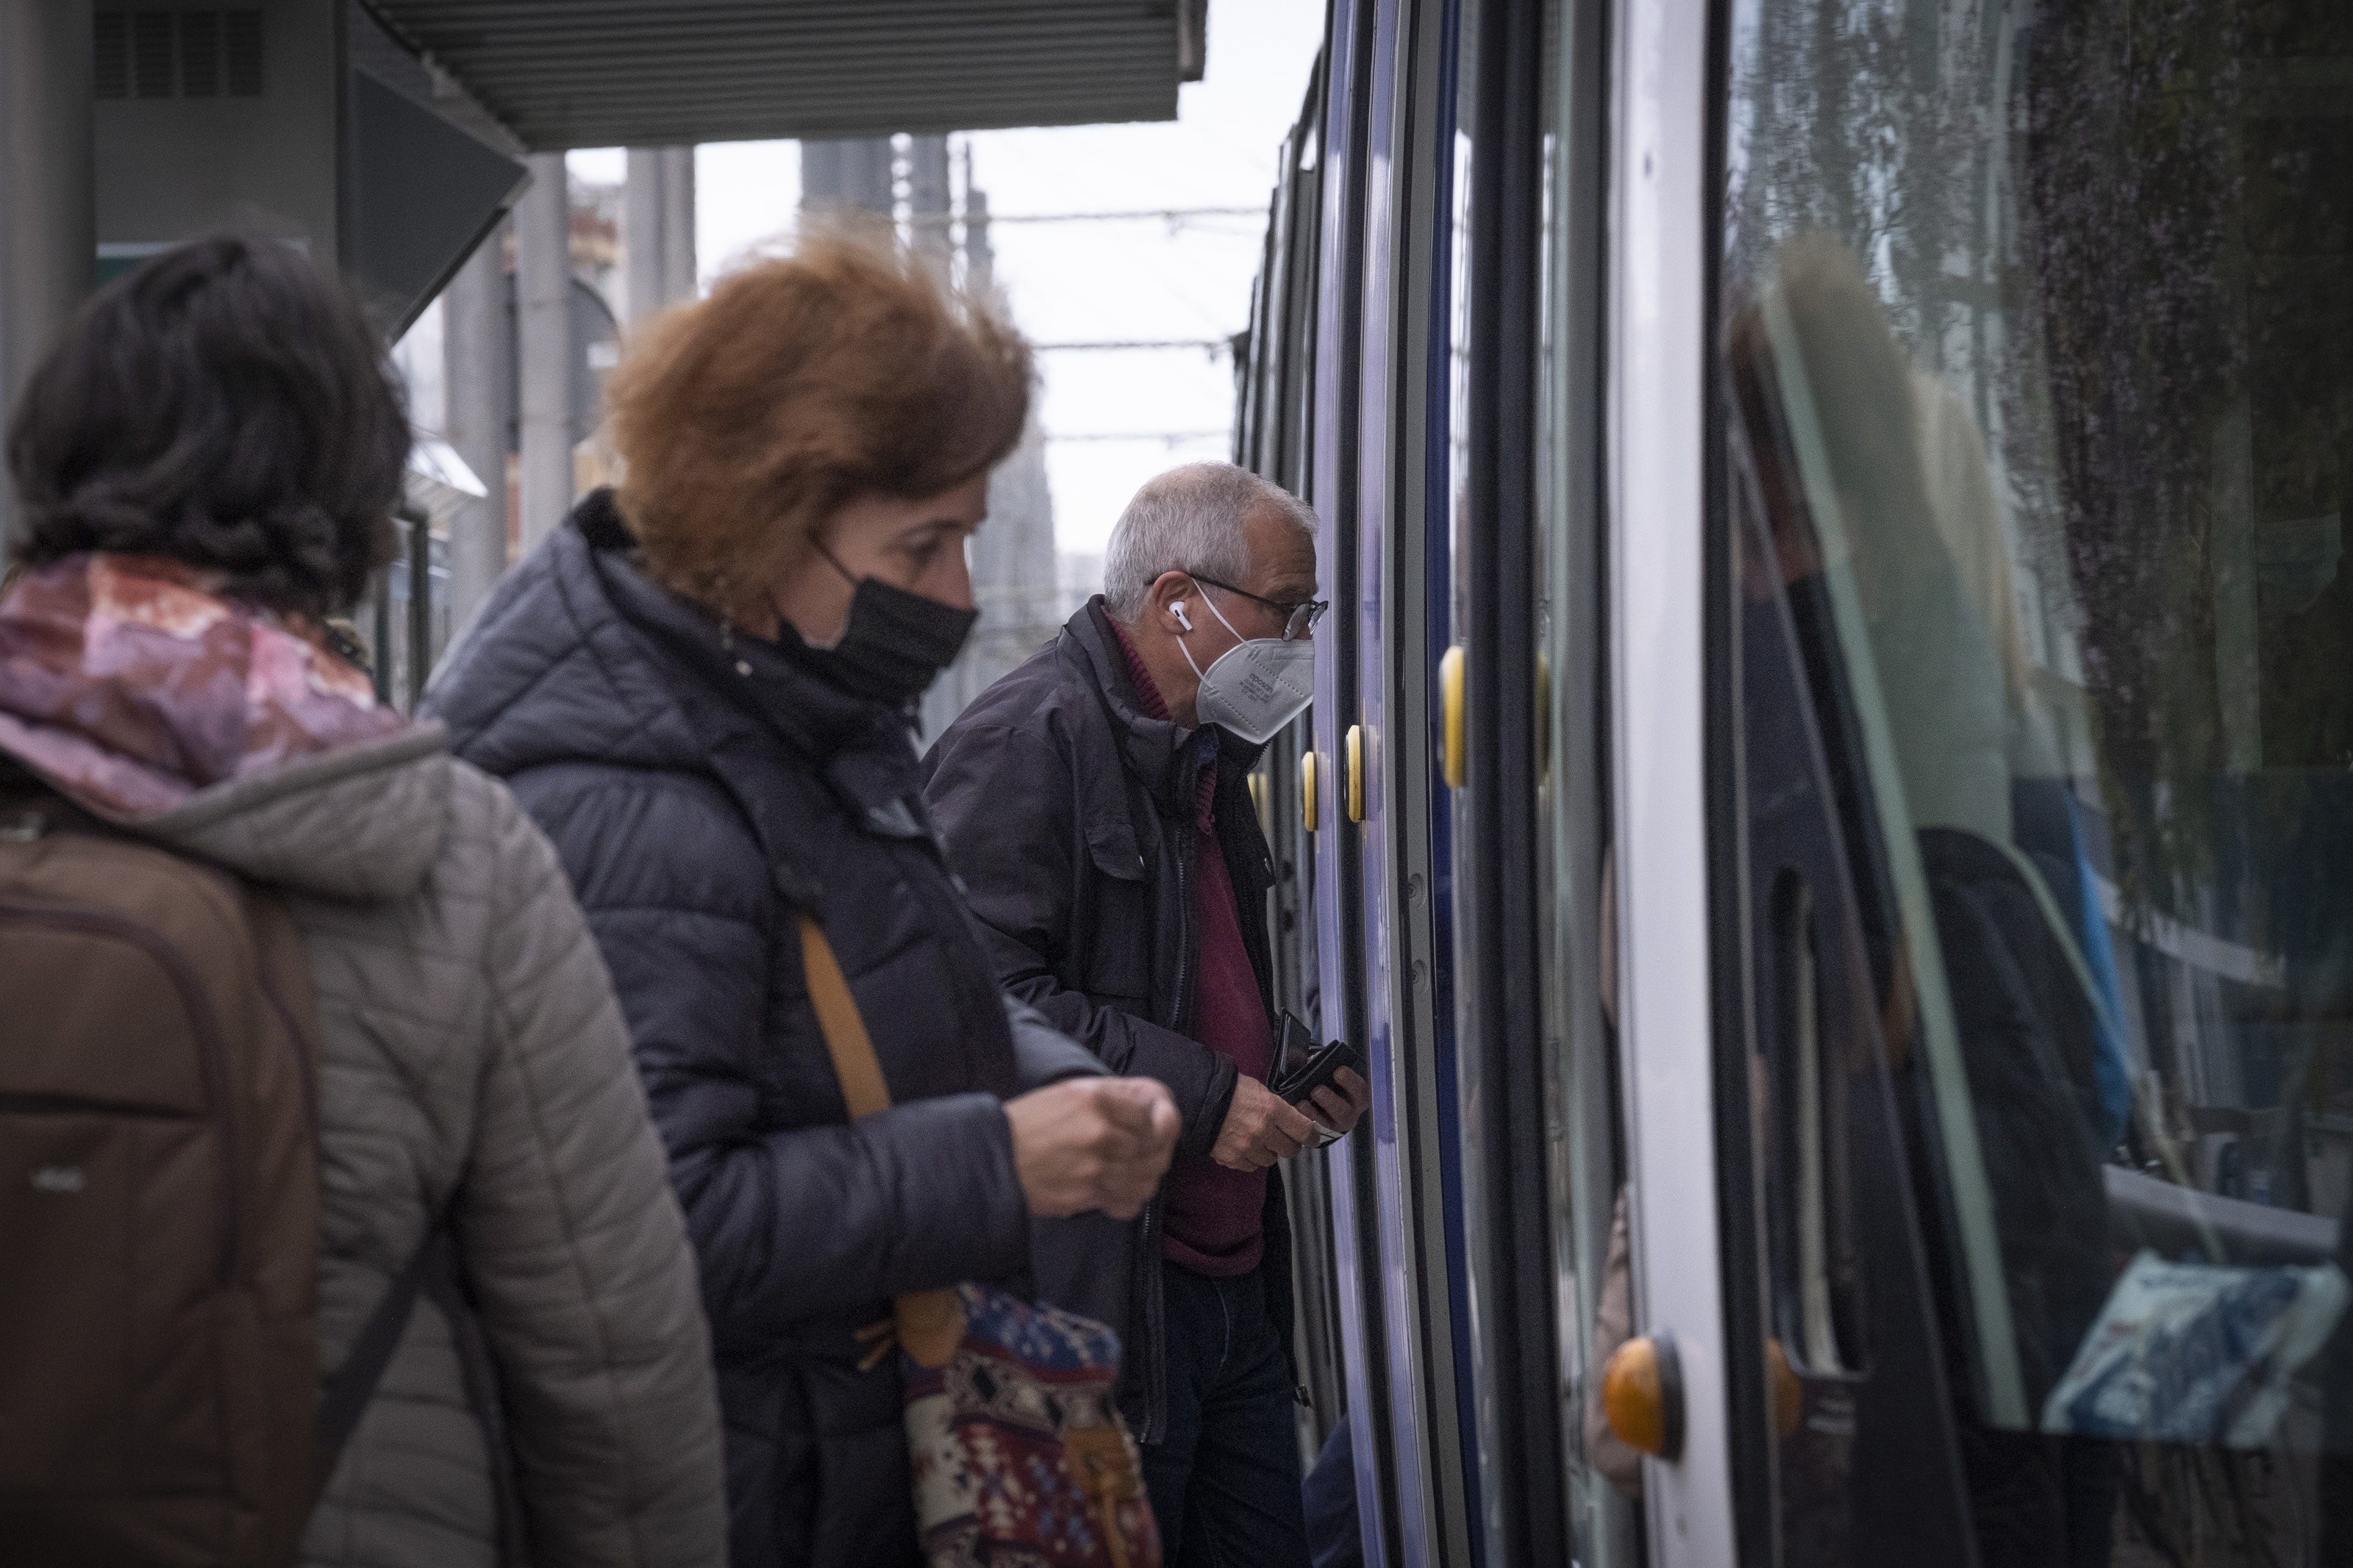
[1303,1066]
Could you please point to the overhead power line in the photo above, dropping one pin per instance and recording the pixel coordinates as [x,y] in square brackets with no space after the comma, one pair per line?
[1124,215]
[1170,437]
[1211,345]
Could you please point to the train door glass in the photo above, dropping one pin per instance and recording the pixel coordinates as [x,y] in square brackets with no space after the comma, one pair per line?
[1524,753]
[1583,1165]
[2037,401]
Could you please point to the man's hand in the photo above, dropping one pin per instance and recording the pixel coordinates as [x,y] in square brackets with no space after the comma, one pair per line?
[1338,1104]
[1092,1143]
[1258,1129]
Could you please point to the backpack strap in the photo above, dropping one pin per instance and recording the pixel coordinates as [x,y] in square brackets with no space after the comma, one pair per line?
[355,1382]
[478,1372]
[430,1272]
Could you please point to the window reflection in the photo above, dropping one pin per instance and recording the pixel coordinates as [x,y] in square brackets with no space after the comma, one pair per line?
[2038,397]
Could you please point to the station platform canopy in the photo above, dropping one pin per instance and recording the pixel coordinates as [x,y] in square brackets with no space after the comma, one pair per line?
[641,73]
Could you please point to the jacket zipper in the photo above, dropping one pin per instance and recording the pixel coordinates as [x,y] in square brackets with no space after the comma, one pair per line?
[1180,1008]
[208,1046]
[1180,1017]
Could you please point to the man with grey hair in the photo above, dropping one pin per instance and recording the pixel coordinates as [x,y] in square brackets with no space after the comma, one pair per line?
[1095,801]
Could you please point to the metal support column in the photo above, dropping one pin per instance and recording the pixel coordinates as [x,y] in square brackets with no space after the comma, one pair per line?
[645,251]
[49,226]
[658,230]
[854,174]
[928,199]
[478,369]
[681,281]
[542,224]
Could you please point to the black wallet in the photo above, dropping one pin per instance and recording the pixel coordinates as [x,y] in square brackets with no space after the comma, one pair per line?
[1301,1067]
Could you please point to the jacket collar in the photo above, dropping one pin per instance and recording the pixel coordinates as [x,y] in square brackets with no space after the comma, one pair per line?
[744,696]
[1158,751]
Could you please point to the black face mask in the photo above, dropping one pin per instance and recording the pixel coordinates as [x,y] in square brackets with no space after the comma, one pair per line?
[894,646]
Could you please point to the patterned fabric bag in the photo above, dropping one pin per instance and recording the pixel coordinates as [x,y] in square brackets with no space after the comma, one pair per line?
[1020,1458]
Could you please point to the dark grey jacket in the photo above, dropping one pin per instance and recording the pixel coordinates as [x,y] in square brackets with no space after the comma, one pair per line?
[1070,815]
[699,796]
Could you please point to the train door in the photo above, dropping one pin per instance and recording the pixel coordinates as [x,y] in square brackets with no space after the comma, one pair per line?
[1414,826]
[1670,984]
[1515,587]
[2005,607]
[1334,789]
[1414,1450]
[1271,437]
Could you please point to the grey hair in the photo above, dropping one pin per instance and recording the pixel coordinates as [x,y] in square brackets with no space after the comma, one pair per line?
[1191,519]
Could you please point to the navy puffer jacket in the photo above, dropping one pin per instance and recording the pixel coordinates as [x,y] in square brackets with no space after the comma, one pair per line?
[699,796]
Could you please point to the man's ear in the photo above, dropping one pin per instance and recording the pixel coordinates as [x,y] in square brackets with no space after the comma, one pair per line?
[1172,595]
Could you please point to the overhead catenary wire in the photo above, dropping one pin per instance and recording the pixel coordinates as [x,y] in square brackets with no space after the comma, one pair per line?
[1210,346]
[1167,437]
[1134,214]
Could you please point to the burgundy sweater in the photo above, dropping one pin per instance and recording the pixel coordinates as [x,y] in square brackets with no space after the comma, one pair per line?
[1214,1214]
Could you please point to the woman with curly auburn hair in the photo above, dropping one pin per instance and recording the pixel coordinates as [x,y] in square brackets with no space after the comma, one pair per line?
[701,687]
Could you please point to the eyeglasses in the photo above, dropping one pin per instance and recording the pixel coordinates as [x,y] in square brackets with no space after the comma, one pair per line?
[1298,618]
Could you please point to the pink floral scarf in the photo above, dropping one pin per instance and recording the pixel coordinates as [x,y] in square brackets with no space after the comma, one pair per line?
[129,685]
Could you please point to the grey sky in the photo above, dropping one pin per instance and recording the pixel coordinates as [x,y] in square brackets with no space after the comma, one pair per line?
[1098,281]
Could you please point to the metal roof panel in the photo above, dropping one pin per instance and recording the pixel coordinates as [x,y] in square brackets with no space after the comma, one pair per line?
[602,73]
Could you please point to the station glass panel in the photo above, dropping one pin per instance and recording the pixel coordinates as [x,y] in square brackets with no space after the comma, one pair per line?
[2036,386]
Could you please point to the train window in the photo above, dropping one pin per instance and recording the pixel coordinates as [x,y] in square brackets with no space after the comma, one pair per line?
[2036,382]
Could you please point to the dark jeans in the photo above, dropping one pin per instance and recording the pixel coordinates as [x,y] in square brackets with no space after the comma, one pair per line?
[1225,1484]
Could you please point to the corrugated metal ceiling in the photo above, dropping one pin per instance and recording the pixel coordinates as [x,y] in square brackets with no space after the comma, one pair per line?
[606,73]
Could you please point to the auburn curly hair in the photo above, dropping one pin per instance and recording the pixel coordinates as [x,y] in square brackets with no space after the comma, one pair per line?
[842,368]
[227,405]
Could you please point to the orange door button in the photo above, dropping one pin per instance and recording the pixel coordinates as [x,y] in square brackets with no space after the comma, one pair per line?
[1789,1394]
[1643,1395]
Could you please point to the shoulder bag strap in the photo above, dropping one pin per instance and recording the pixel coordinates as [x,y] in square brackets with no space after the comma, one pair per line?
[846,1040]
[930,1323]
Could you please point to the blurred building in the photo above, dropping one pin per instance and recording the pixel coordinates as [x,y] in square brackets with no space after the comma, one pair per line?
[1016,581]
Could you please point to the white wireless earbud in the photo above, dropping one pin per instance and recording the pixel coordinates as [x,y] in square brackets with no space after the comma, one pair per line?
[1176,608]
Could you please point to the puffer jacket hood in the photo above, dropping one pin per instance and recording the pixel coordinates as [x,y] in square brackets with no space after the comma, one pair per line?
[578,659]
[365,825]
[149,700]
[547,633]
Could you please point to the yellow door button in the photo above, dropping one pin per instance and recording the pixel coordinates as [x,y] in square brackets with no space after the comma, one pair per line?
[1353,786]
[1455,760]
[1643,1395]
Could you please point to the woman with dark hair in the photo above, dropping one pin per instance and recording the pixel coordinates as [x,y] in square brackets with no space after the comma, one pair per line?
[207,464]
[701,687]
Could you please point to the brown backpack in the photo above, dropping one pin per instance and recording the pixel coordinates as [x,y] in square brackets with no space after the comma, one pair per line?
[159,1206]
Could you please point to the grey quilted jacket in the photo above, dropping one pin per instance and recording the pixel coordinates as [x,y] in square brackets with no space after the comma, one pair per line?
[473,1064]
